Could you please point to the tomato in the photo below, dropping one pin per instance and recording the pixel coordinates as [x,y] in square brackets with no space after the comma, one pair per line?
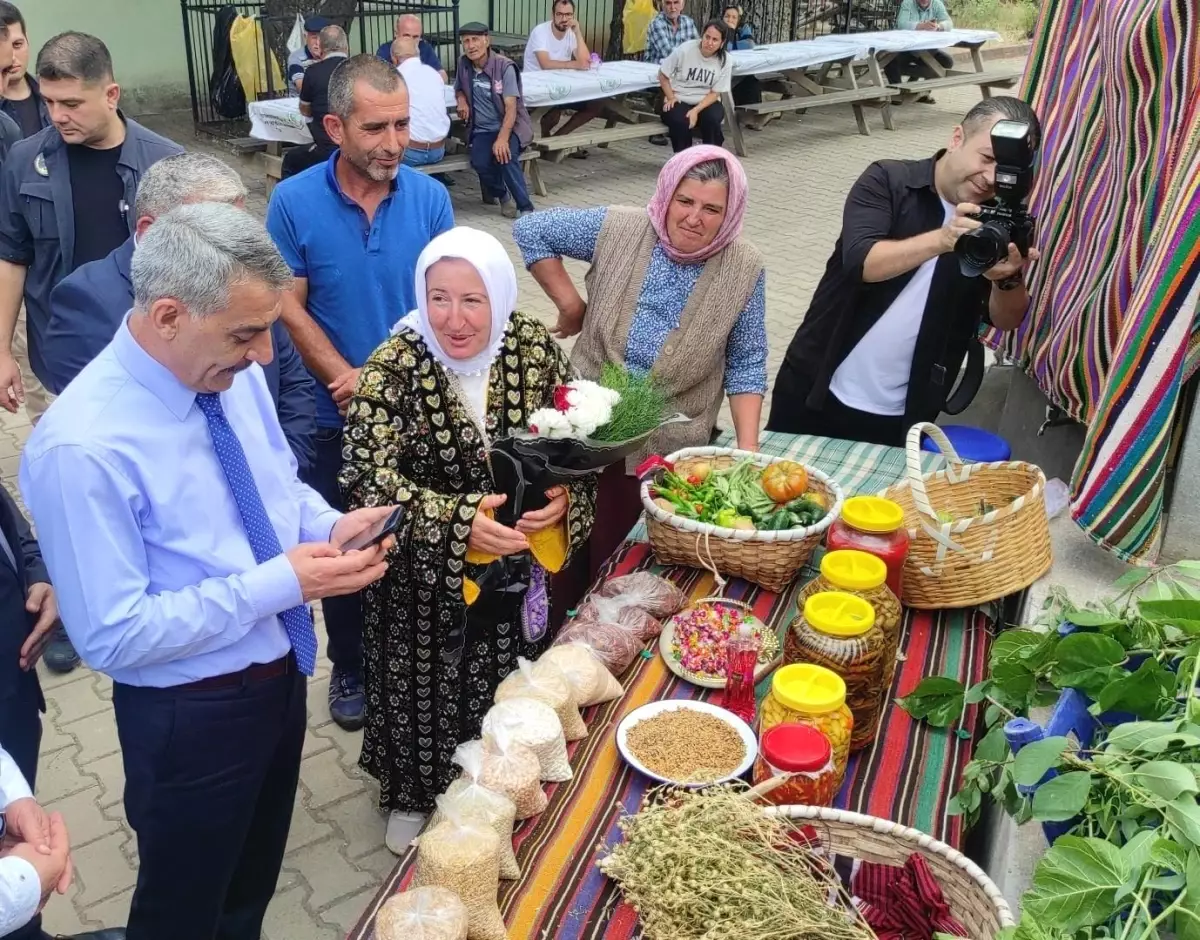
[784,481]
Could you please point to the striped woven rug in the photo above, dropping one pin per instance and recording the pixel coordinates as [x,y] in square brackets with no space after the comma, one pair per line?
[1113,333]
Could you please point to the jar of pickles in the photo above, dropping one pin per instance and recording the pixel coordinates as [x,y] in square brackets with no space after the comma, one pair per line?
[811,695]
[874,525]
[804,757]
[865,576]
[837,631]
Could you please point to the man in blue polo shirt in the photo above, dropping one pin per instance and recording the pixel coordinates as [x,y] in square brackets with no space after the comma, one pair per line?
[351,229]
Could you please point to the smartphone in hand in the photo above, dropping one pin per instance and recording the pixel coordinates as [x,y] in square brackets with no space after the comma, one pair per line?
[376,533]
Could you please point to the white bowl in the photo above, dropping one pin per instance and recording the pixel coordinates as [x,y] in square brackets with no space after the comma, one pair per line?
[651,709]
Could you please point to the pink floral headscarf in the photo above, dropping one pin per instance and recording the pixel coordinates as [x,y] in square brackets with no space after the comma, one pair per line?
[735,205]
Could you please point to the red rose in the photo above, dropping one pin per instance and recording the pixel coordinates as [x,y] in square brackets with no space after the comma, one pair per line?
[562,399]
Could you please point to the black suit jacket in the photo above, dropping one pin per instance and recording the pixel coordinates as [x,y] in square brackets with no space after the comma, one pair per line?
[15,622]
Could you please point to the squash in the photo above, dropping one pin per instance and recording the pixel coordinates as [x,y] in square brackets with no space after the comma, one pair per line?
[784,481]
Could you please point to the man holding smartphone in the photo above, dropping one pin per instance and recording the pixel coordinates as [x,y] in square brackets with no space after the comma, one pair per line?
[167,451]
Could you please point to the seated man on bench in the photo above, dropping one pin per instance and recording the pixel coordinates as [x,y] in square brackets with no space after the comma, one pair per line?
[559,44]
[429,122]
[923,15]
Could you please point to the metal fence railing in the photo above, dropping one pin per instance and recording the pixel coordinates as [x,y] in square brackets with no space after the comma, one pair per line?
[371,24]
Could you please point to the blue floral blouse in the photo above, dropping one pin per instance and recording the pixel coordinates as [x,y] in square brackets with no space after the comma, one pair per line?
[554,233]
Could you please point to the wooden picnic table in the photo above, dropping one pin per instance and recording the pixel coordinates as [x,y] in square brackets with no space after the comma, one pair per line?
[907,775]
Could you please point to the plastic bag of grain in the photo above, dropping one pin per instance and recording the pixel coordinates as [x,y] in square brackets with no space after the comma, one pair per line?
[648,591]
[547,683]
[463,856]
[431,913]
[621,611]
[533,723]
[591,681]
[476,803]
[616,645]
[507,767]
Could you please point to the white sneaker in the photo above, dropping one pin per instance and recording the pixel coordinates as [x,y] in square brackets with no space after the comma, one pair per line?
[402,828]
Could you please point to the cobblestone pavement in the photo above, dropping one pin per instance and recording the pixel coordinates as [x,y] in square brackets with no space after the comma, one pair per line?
[799,170]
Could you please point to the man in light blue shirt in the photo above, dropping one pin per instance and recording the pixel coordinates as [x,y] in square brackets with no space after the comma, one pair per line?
[185,551]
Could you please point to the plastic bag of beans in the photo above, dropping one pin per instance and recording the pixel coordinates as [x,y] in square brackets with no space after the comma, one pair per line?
[648,591]
[547,683]
[507,767]
[592,682]
[476,803]
[463,856]
[430,913]
[534,724]
[616,646]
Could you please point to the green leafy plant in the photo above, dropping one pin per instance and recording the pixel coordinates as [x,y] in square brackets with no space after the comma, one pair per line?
[1129,866]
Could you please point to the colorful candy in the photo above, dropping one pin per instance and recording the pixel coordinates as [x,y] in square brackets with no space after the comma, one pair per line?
[700,635]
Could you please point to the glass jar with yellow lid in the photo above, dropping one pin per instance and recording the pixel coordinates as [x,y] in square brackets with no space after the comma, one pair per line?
[874,525]
[838,632]
[814,696]
[864,576]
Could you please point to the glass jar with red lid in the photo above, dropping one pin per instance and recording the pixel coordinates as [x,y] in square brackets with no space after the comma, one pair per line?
[804,756]
[874,525]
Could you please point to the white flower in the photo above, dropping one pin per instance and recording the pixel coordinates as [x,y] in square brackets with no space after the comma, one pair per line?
[547,422]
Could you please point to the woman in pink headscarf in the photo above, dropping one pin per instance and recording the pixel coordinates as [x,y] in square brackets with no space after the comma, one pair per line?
[674,290]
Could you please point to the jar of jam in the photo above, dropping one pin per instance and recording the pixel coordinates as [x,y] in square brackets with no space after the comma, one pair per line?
[811,695]
[806,757]
[864,576]
[873,525]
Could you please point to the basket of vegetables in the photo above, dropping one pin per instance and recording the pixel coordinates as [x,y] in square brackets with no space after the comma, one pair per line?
[978,531]
[747,515]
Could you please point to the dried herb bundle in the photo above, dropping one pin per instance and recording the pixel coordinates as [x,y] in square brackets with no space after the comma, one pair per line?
[704,865]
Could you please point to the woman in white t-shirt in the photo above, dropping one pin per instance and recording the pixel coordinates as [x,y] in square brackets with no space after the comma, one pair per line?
[693,78]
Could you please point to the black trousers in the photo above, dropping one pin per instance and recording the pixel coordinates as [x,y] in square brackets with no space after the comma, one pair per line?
[708,125]
[210,781]
[908,64]
[747,90]
[298,159]
[21,735]
[790,415]
[343,615]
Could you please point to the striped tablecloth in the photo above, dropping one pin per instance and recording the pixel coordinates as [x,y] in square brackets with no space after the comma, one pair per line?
[908,775]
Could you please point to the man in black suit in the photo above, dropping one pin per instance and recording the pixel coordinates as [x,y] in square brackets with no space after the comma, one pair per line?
[28,615]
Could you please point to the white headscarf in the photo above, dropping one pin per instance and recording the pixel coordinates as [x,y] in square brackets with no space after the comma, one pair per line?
[485,253]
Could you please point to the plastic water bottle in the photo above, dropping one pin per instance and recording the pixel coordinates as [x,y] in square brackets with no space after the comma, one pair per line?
[595,61]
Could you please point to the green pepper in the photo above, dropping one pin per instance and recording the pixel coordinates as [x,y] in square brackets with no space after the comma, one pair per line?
[726,517]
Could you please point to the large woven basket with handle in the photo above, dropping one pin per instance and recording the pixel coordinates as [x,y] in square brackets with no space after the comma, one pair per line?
[973,897]
[768,559]
[978,531]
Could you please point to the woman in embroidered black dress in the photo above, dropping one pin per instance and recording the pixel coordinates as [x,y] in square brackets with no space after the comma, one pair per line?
[462,369]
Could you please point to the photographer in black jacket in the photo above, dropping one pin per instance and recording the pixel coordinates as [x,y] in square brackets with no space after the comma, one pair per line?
[892,318]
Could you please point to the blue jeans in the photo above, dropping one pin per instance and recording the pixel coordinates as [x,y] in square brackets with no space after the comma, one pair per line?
[424,157]
[498,180]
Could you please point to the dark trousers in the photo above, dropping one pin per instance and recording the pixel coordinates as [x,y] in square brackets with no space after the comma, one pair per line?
[908,64]
[499,180]
[210,781]
[298,159]
[21,734]
[343,615]
[618,505]
[790,415]
[747,90]
[708,125]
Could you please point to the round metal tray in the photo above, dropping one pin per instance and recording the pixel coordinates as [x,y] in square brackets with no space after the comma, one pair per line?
[769,654]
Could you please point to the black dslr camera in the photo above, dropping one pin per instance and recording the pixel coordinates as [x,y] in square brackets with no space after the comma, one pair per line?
[1004,218]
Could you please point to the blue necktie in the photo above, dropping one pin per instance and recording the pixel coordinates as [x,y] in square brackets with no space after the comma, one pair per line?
[297,621]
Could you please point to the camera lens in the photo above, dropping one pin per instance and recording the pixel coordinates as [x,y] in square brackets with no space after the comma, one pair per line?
[982,248]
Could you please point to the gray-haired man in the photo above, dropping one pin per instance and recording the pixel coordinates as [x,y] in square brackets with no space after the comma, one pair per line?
[165,451]
[314,103]
[87,308]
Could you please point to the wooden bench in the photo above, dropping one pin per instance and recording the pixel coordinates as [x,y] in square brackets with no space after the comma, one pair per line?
[243,146]
[273,168]
[987,82]
[557,147]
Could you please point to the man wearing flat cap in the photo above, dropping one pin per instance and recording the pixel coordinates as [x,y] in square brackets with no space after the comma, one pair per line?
[487,87]
[306,55]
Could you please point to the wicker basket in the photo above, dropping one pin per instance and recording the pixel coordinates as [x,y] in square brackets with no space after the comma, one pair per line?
[978,557]
[973,897]
[768,559]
